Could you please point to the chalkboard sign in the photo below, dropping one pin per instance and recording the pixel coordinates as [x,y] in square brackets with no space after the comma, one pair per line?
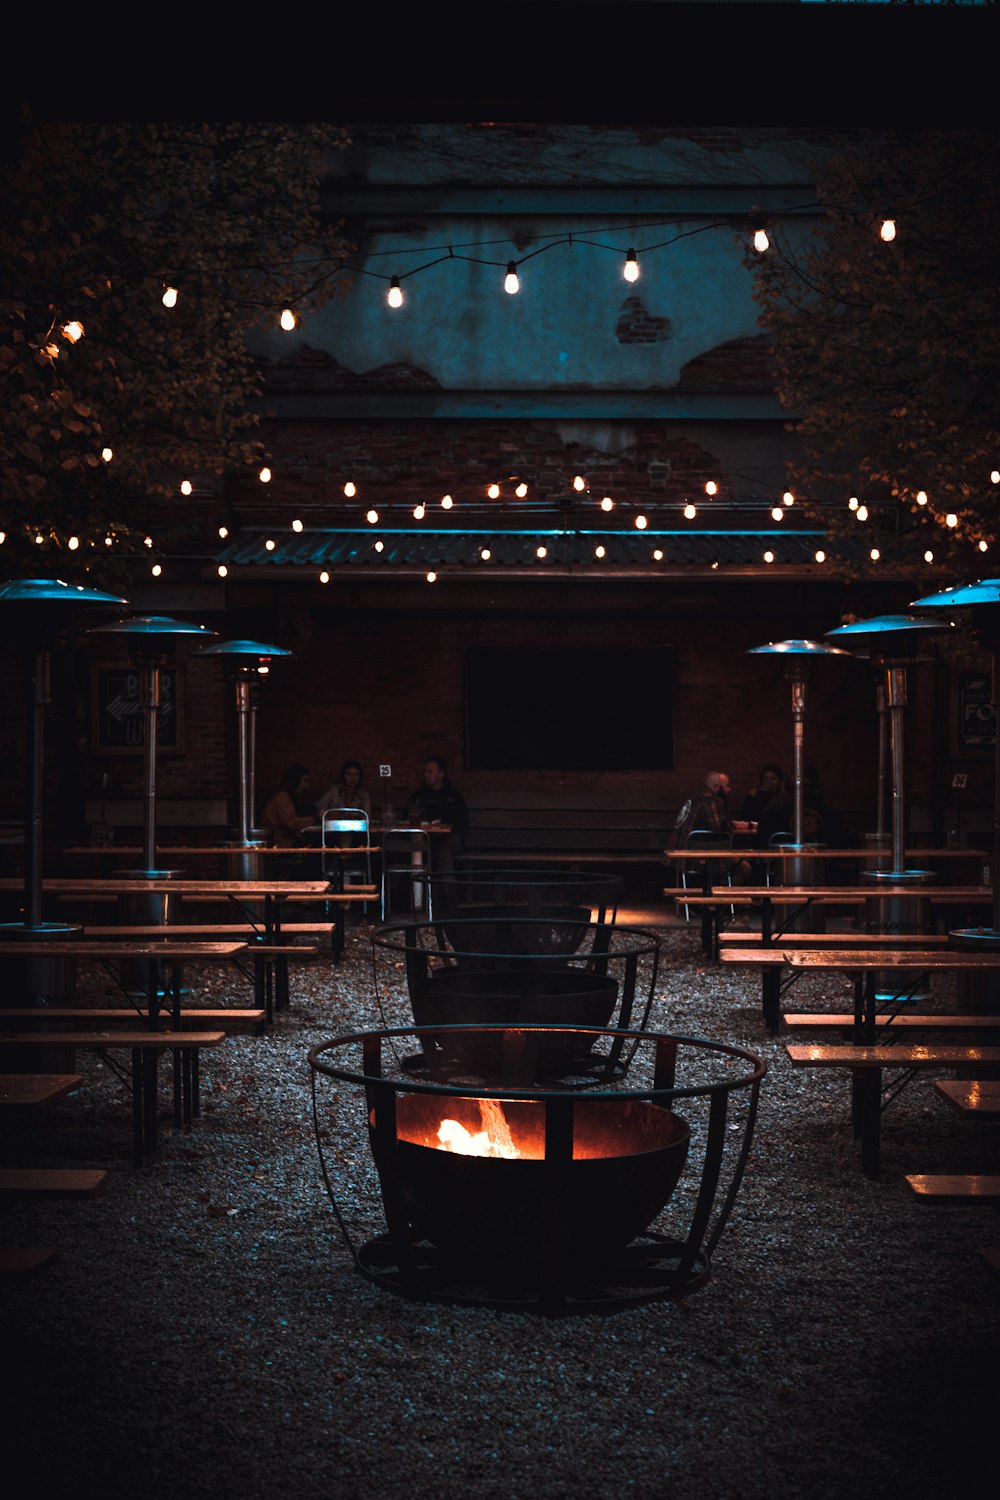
[977,724]
[117,718]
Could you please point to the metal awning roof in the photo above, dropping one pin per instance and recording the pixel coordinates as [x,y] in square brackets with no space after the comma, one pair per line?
[511,553]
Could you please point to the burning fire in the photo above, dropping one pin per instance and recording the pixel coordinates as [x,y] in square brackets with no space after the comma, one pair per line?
[493,1140]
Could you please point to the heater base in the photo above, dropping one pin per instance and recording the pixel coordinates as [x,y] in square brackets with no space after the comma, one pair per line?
[648,1270]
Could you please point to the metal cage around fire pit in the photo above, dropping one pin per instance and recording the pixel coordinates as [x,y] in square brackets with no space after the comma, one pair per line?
[546,1200]
[541,979]
[556,894]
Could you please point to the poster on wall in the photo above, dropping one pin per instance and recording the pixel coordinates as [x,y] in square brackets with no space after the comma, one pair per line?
[117,719]
[977,727]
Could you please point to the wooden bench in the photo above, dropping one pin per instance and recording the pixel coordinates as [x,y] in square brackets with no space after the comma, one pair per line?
[29,1091]
[976,1097]
[962,1188]
[897,1021]
[49,1182]
[145,1048]
[866,1064]
[234,1020]
[834,939]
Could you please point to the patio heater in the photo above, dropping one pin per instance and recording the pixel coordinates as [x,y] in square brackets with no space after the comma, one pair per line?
[151,643]
[34,614]
[798,657]
[892,642]
[982,600]
[245,663]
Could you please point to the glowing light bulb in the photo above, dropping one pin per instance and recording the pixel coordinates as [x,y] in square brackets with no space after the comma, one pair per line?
[265,475]
[928,555]
[995,476]
[888,230]
[223,532]
[394,296]
[156,570]
[73,543]
[72,331]
[486,554]
[296,524]
[875,554]
[39,539]
[862,512]
[324,577]
[380,546]
[984,546]
[287,319]
[107,454]
[372,517]
[446,502]
[147,541]
[853,503]
[521,490]
[641,523]
[769,557]
[711,488]
[432,577]
[760,240]
[951,519]
[493,490]
[419,512]
[109,541]
[921,497]
[821,556]
[579,483]
[223,571]
[631,271]
[269,544]
[510,281]
[598,551]
[607,503]
[541,551]
[186,487]
[657,555]
[788,498]
[350,489]
[690,511]
[776,513]
[3,537]
[169,298]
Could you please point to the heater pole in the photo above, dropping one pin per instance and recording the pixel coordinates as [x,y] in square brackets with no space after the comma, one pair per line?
[150,689]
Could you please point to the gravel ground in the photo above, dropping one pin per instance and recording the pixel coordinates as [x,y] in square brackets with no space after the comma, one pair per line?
[203,1332]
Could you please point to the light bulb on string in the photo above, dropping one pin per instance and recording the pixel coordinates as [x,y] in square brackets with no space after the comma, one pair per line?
[760,239]
[156,570]
[641,523]
[296,524]
[147,541]
[657,555]
[984,546]
[493,490]
[541,551]
[769,557]
[599,551]
[265,475]
[788,498]
[510,282]
[223,532]
[419,512]
[888,230]
[921,497]
[711,488]
[107,454]
[631,271]
[39,539]
[951,519]
[186,487]
[324,577]
[607,503]
[690,511]
[72,331]
[853,503]
[777,513]
[380,546]
[446,502]
[269,544]
[995,476]
[928,556]
[521,490]
[287,319]
[862,513]
[875,554]
[350,489]
[222,571]
[372,518]
[821,556]
[579,483]
[73,543]
[486,554]
[169,298]
[432,577]
[394,296]
[109,541]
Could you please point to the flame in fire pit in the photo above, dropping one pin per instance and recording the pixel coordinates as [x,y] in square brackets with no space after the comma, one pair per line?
[493,1140]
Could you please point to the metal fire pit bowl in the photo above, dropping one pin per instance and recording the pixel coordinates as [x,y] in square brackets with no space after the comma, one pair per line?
[563,898]
[541,1199]
[520,983]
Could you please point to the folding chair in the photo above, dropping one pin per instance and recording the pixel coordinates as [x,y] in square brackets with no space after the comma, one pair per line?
[406,858]
[342,864]
[693,877]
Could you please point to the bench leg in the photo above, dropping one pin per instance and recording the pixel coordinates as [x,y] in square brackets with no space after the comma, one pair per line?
[771,999]
[871,1127]
[178,1086]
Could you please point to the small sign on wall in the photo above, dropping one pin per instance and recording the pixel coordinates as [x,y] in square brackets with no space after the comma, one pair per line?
[977,728]
[116,714]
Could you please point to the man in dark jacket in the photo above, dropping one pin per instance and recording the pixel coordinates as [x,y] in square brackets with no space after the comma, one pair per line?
[437,801]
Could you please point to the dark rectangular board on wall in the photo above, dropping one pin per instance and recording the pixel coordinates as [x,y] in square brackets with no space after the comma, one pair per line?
[572,708]
[117,716]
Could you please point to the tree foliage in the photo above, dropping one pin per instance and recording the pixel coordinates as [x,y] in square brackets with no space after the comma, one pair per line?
[97,220]
[887,351]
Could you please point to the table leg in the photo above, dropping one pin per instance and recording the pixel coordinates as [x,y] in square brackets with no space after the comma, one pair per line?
[871,1130]
[771,999]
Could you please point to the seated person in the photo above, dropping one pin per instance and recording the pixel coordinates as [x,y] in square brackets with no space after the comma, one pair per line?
[769,784]
[710,814]
[347,791]
[279,817]
[437,801]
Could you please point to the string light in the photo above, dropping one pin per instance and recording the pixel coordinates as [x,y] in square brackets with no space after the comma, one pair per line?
[156,570]
[394,296]
[631,271]
[788,498]
[72,331]
[995,476]
[521,490]
[486,554]
[223,532]
[598,551]
[641,523]
[493,490]
[107,454]
[3,537]
[380,546]
[951,519]
[984,546]
[350,489]
[147,541]
[769,557]
[372,518]
[875,554]
[223,571]
[607,503]
[109,541]
[777,513]
[39,539]
[853,503]
[73,543]
[821,556]
[760,240]
[579,483]
[928,556]
[690,511]
[186,487]
[541,551]
[169,298]
[711,488]
[269,544]
[265,475]
[324,577]
[888,230]
[446,502]
[296,524]
[419,512]
[432,577]
[921,497]
[657,555]
[287,319]
[862,512]
[510,281]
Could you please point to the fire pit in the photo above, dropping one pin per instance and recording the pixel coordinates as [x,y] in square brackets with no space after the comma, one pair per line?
[563,898]
[547,1200]
[544,995]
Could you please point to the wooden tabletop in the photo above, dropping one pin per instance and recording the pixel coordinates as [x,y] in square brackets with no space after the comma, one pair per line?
[787,893]
[130,886]
[86,947]
[739,852]
[974,1097]
[949,960]
[128,851]
[31,1090]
